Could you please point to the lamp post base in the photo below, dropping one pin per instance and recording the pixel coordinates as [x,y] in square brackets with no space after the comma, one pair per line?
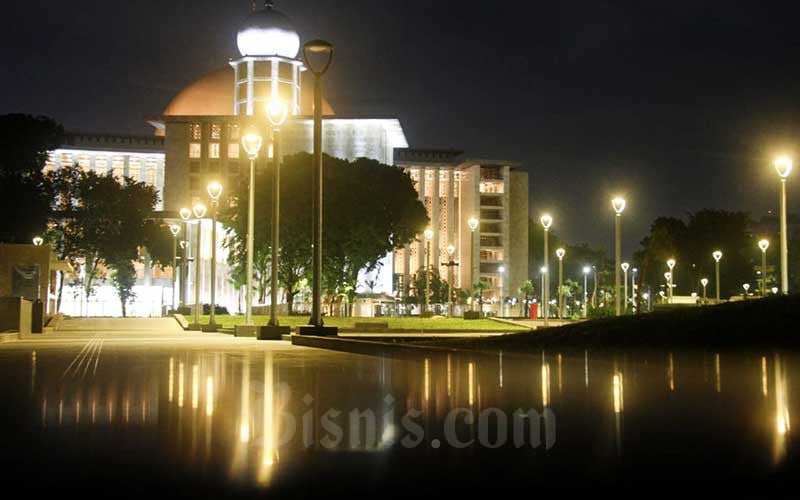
[272,332]
[195,327]
[210,328]
[318,331]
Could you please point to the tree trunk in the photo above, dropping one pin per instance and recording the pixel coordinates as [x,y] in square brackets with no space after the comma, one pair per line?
[60,291]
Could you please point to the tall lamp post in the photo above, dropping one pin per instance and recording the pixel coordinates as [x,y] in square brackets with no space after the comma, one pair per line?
[543,272]
[618,204]
[214,192]
[704,282]
[175,229]
[252,146]
[717,257]
[500,296]
[634,302]
[428,237]
[186,215]
[763,245]
[625,266]
[586,271]
[546,221]
[668,281]
[451,250]
[783,165]
[277,112]
[321,50]
[473,224]
[671,266]
[560,254]
[199,211]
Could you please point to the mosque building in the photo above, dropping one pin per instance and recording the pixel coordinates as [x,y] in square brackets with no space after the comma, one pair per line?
[197,138]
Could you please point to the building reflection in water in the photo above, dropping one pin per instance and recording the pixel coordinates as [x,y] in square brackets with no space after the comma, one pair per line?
[717,373]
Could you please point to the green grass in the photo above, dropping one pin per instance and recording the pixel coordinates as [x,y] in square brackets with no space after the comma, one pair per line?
[419,324]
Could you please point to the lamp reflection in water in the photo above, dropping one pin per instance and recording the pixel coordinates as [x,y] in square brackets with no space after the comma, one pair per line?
[618,390]
[171,378]
[717,374]
[471,382]
[449,376]
[269,431]
[545,383]
[670,372]
[782,419]
[195,386]
[244,419]
[764,377]
[427,380]
[180,384]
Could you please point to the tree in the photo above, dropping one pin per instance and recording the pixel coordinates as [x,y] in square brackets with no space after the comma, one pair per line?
[123,278]
[527,291]
[438,287]
[25,141]
[369,210]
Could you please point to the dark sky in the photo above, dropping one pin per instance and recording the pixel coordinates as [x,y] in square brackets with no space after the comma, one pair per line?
[678,104]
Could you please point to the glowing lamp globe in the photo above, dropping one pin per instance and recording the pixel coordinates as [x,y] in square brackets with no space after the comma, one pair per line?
[763,245]
[199,210]
[186,214]
[174,229]
[38,241]
[717,255]
[667,276]
[277,112]
[625,266]
[428,234]
[746,287]
[704,281]
[618,204]
[546,221]
[560,253]
[252,145]
[214,191]
[451,249]
[268,32]
[587,269]
[783,165]
[473,223]
[671,264]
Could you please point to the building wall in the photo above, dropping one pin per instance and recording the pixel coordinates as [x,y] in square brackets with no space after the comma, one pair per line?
[518,231]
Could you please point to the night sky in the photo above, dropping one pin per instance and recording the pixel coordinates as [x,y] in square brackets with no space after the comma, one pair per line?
[680,105]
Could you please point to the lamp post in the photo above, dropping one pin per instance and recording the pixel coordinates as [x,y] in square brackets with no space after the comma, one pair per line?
[323,50]
[252,145]
[668,280]
[783,165]
[746,287]
[451,250]
[704,282]
[543,272]
[199,211]
[618,204]
[214,192]
[717,257]
[473,225]
[175,229]
[671,266]
[277,112]
[586,271]
[546,221]
[428,237]
[763,245]
[634,303]
[501,270]
[625,266]
[186,215]
[560,254]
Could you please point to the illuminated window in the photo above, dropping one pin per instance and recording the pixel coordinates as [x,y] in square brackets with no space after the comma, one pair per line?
[233,133]
[213,150]
[101,165]
[151,176]
[233,150]
[49,164]
[196,131]
[216,132]
[135,168]
[194,150]
[66,159]
[118,166]
[85,162]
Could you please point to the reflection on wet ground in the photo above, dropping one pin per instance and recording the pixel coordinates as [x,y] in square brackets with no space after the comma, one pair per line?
[261,417]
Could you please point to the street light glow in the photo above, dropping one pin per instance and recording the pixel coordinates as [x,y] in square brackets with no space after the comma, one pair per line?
[429,234]
[783,165]
[546,221]
[186,214]
[704,281]
[214,190]
[451,249]
[763,245]
[619,205]
[587,269]
[252,145]
[277,112]
[560,253]
[625,266]
[174,229]
[717,255]
[671,264]
[473,223]
[199,210]
[38,241]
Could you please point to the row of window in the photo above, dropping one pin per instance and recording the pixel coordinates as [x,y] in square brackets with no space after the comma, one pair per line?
[196,150]
[215,132]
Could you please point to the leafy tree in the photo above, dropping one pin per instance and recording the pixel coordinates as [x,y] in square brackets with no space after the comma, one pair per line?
[25,141]
[123,279]
[439,289]
[527,291]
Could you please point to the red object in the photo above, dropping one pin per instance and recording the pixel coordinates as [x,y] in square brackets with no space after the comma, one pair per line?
[534,313]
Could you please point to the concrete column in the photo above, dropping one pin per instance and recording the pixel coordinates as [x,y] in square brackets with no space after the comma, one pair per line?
[250,89]
[236,89]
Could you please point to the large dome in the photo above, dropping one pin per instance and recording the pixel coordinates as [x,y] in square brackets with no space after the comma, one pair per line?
[212,95]
[268,32]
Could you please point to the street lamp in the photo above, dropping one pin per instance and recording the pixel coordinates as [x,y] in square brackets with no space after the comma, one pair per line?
[586,271]
[618,204]
[546,221]
[634,304]
[704,282]
[38,241]
[214,190]
[324,51]
[277,112]
[668,279]
[783,165]
[625,266]
[186,215]
[451,250]
[175,229]
[560,254]
[671,266]
[717,257]
[428,237]
[473,224]
[252,145]
[501,271]
[543,272]
[746,287]
[763,245]
[199,211]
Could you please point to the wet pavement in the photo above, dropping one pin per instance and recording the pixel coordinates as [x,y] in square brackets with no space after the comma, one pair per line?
[161,412]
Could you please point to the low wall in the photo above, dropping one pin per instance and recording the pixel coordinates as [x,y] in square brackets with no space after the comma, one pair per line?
[15,315]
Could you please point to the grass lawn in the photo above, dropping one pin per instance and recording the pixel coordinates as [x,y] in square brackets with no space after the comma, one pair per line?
[412,323]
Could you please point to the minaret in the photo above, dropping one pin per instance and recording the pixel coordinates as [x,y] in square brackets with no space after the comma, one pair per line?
[269,67]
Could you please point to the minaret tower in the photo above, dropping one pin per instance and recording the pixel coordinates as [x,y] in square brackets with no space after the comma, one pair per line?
[269,67]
